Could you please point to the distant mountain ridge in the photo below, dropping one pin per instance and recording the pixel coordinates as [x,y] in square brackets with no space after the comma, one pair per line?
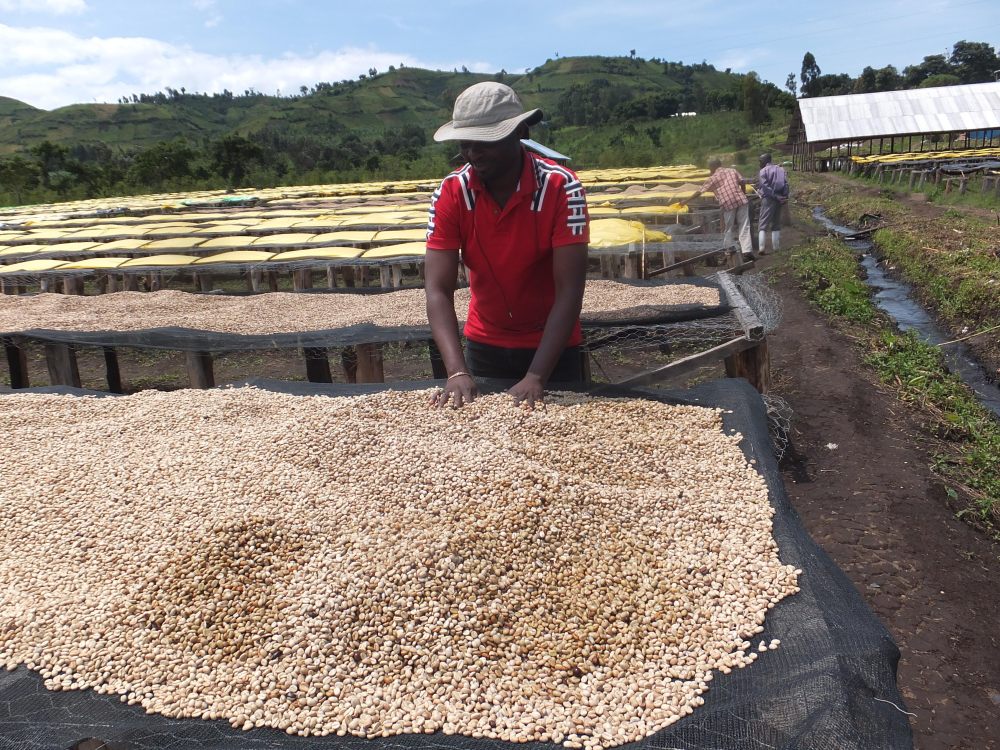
[368,106]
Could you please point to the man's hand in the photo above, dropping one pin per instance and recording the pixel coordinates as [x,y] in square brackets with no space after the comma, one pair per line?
[528,391]
[457,391]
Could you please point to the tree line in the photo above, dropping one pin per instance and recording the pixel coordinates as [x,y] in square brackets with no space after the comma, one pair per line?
[51,171]
[969,62]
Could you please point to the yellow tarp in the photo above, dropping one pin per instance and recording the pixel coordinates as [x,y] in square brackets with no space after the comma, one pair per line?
[30,266]
[393,251]
[619,232]
[318,253]
[227,242]
[94,263]
[394,235]
[174,243]
[236,256]
[159,260]
[345,238]
[282,240]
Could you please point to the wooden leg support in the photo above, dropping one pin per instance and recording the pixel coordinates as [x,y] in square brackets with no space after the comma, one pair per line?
[17,363]
[370,363]
[349,361]
[317,365]
[200,371]
[113,370]
[754,364]
[61,361]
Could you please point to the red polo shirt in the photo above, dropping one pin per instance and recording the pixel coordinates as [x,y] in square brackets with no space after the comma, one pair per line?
[509,251]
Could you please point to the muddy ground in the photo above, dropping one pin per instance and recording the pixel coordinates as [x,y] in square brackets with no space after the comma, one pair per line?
[857,473]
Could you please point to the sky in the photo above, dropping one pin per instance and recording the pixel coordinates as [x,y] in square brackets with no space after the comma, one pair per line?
[59,52]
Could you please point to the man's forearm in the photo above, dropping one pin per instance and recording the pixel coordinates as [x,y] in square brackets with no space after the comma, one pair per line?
[444,329]
[558,328]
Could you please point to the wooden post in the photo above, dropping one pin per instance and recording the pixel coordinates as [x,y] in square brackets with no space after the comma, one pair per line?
[302,279]
[331,276]
[130,282]
[17,364]
[61,362]
[317,365]
[632,265]
[204,281]
[155,280]
[113,283]
[114,372]
[272,280]
[370,363]
[256,279]
[200,371]
[754,364]
[349,363]
[396,271]
[73,284]
[348,273]
[45,284]
[385,276]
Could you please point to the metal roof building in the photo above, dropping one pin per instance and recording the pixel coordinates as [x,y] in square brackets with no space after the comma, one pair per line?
[846,122]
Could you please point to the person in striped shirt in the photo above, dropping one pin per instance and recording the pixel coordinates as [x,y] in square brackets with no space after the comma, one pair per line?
[519,223]
[727,185]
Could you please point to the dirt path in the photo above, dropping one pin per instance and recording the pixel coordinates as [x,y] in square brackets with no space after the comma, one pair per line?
[857,473]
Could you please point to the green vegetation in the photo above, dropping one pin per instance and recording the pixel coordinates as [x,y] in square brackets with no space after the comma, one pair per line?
[602,111]
[969,62]
[969,459]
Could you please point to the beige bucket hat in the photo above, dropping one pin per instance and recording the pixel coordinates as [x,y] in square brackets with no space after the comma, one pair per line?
[488,111]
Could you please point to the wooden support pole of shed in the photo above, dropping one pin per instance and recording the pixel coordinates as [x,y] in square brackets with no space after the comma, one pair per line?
[200,371]
[113,284]
[155,280]
[114,373]
[272,280]
[317,365]
[130,282]
[397,275]
[256,280]
[61,362]
[17,363]
[45,284]
[385,276]
[203,281]
[348,273]
[331,276]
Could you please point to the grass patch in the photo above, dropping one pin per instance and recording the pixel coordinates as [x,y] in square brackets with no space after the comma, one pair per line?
[968,436]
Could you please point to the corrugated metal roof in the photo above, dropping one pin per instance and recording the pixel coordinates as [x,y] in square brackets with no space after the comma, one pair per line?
[545,151]
[941,109]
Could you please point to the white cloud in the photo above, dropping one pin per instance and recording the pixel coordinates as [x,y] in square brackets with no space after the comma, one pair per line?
[50,68]
[59,7]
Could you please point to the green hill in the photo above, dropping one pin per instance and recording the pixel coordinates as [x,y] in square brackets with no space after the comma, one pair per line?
[602,111]
[405,96]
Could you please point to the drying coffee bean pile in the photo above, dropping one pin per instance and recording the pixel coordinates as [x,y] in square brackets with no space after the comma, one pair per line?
[286,312]
[371,566]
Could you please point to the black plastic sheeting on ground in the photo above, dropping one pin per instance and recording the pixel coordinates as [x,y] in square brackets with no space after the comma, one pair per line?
[831,684]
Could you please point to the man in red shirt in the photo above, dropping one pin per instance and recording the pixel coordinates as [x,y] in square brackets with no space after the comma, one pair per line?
[519,223]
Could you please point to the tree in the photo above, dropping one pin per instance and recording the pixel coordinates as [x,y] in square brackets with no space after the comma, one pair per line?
[165,162]
[232,155]
[865,84]
[791,84]
[809,73]
[18,175]
[932,65]
[51,158]
[754,105]
[974,62]
[887,78]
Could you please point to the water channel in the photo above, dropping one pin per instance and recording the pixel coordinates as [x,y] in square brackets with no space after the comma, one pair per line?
[895,299]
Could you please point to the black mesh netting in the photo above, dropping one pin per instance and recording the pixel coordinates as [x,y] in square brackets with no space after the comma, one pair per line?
[829,686]
[174,338]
